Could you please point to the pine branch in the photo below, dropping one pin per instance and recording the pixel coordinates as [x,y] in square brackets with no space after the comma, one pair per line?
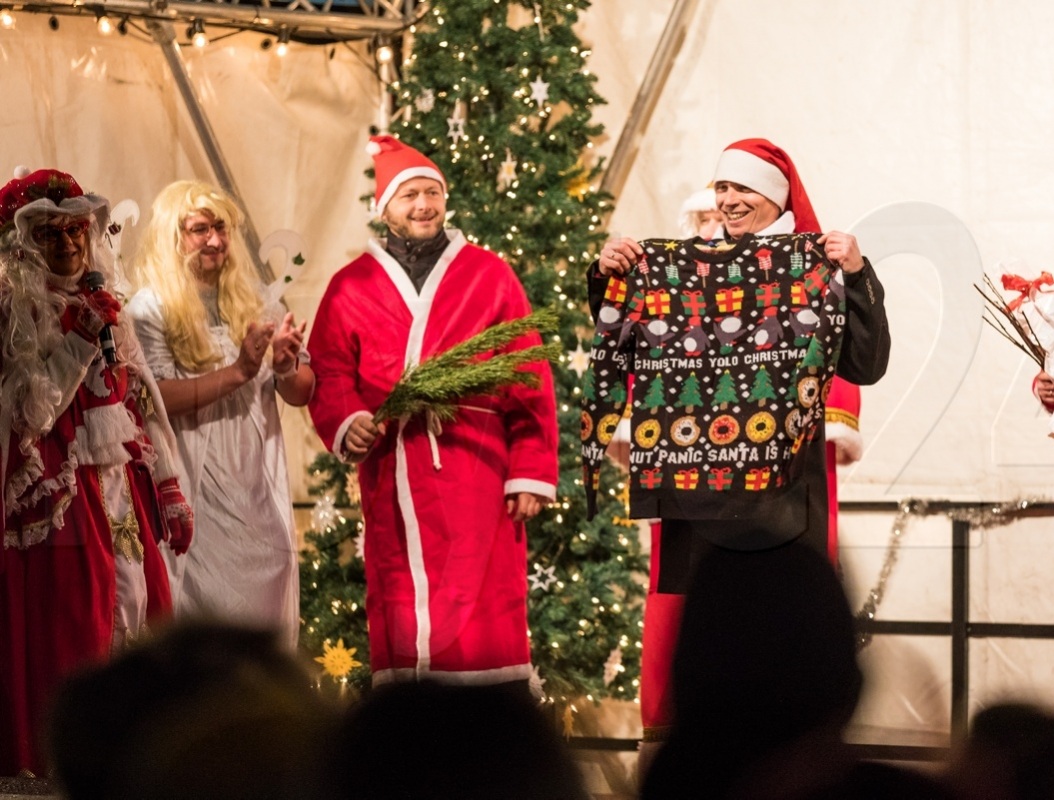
[440,382]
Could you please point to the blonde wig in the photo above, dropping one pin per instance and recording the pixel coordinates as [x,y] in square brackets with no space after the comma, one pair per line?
[162,265]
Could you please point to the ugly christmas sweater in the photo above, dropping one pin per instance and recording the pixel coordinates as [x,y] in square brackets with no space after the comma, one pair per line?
[732,350]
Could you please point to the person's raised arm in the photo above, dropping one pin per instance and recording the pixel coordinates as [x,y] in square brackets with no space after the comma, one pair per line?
[187,395]
[294,378]
[618,257]
[866,342]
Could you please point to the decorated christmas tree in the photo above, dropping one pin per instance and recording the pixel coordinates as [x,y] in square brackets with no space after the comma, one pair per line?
[499,95]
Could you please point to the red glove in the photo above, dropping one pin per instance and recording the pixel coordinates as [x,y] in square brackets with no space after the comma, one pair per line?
[98,309]
[179,519]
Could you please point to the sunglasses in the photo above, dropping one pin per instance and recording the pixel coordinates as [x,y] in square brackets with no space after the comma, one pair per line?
[52,234]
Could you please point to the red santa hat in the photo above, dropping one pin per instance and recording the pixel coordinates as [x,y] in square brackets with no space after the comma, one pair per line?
[759,165]
[47,192]
[394,163]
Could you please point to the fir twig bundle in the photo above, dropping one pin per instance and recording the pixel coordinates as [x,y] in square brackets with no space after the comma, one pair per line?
[1009,324]
[438,383]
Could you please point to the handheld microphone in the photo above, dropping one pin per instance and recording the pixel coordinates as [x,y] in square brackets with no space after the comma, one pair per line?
[96,281]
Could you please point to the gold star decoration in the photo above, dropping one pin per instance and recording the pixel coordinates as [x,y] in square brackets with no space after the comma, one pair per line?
[568,720]
[578,187]
[337,660]
[507,173]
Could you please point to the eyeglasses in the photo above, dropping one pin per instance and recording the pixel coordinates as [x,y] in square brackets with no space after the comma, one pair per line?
[52,234]
[203,230]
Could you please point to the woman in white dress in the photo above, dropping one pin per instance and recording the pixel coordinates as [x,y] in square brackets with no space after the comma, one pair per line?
[206,333]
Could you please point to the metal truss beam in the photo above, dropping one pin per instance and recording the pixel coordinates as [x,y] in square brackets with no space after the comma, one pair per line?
[376,17]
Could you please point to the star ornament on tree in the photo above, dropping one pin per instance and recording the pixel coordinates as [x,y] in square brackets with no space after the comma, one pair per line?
[337,660]
[542,578]
[579,187]
[425,101]
[568,720]
[539,91]
[507,173]
[324,514]
[578,360]
[455,127]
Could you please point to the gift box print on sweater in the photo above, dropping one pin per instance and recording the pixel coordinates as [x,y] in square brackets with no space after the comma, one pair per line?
[731,350]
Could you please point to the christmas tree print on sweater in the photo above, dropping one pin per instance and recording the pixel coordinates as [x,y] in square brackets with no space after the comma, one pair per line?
[732,350]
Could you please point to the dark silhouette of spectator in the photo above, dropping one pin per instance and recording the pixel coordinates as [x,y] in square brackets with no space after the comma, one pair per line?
[430,741]
[1007,755]
[204,710]
[765,679]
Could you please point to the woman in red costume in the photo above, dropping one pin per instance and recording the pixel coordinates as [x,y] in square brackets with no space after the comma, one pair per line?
[87,471]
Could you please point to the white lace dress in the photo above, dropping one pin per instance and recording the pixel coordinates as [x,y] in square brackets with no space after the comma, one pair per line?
[242,564]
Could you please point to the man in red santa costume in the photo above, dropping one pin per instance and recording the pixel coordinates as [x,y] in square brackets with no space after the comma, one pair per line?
[87,462]
[445,547]
[758,191]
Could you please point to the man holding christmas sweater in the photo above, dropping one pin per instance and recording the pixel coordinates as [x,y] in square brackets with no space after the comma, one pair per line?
[758,192]
[444,506]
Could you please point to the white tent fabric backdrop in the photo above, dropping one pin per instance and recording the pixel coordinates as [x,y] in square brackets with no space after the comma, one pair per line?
[922,124]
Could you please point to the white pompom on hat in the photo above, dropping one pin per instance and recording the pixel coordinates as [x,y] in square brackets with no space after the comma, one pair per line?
[394,163]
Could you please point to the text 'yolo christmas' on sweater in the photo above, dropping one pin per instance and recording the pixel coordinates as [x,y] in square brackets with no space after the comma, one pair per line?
[731,350]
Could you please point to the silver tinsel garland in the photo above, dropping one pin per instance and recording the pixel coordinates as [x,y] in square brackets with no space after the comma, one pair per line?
[983,516]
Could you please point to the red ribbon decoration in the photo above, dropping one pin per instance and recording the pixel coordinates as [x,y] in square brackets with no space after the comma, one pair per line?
[1015,283]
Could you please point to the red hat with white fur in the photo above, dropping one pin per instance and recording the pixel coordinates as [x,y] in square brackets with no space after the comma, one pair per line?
[761,166]
[46,191]
[394,163]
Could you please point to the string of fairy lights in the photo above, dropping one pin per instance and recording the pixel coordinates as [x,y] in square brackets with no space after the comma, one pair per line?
[203,23]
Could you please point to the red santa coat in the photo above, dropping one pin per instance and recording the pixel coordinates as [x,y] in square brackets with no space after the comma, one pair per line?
[445,565]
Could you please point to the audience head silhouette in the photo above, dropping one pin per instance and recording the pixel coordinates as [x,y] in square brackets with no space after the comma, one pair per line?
[205,710]
[430,741]
[765,679]
[1008,755]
